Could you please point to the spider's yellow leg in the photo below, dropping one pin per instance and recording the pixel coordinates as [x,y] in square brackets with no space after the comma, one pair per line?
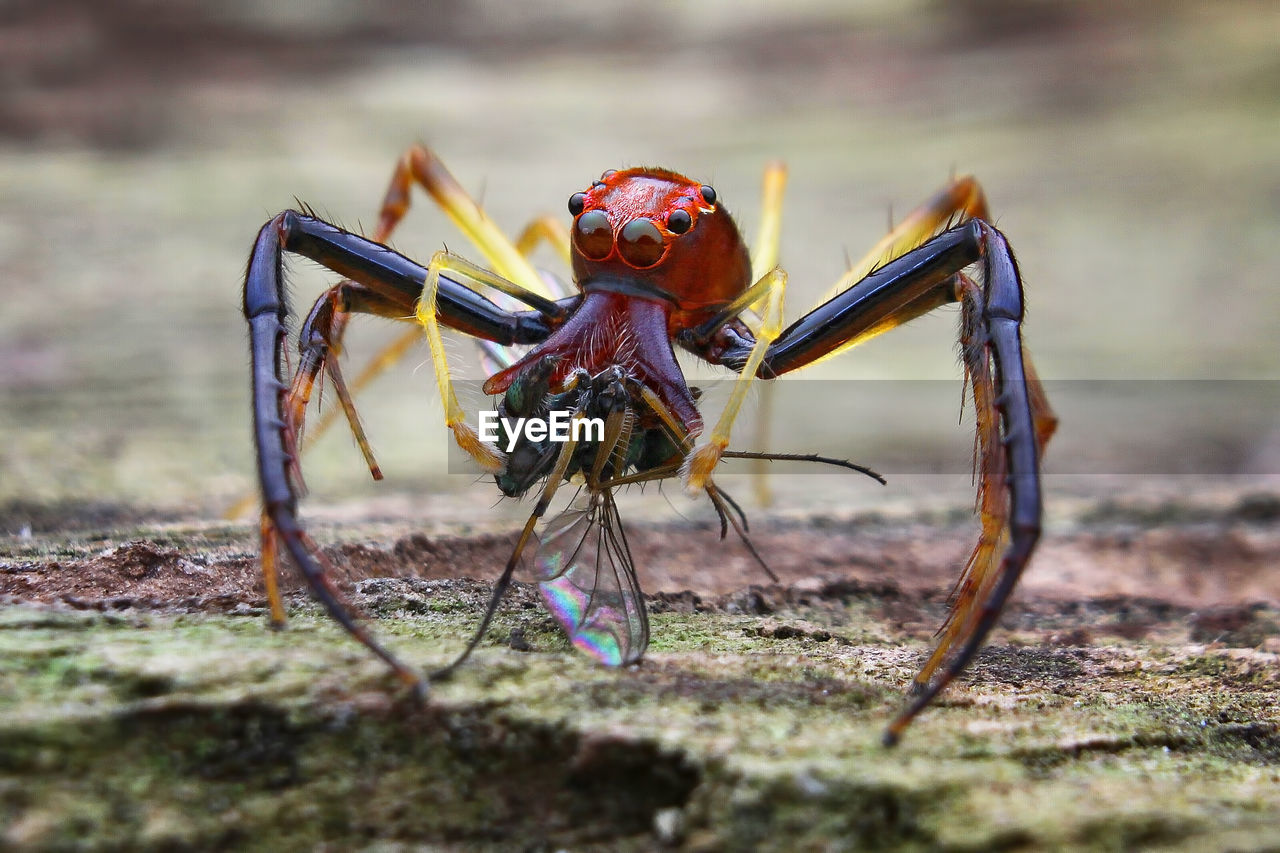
[271,571]
[420,164]
[537,230]
[960,200]
[702,461]
[764,257]
[545,228]
[508,259]
[469,274]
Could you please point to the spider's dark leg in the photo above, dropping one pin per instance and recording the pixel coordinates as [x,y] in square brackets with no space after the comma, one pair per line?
[1013,416]
[388,282]
[901,290]
[318,345]
[960,200]
[497,250]
[990,466]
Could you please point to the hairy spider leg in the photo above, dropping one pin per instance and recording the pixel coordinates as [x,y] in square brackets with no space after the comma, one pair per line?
[771,289]
[960,200]
[322,333]
[492,244]
[324,324]
[990,470]
[1006,393]
[381,282]
[464,272]
[764,257]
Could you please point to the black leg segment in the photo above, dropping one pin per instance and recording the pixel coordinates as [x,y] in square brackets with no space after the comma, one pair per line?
[385,280]
[900,290]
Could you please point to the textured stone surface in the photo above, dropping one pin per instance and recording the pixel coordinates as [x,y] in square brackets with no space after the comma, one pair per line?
[146,703]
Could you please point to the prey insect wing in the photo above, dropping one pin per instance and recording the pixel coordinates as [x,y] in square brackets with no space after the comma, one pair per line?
[494,357]
[588,580]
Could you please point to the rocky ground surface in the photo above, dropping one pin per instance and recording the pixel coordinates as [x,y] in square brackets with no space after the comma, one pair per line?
[1128,701]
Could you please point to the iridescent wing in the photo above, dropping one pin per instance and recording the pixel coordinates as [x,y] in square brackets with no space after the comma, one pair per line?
[495,358]
[588,581]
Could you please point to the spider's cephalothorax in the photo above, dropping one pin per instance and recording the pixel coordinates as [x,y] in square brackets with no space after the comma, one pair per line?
[641,239]
[657,263]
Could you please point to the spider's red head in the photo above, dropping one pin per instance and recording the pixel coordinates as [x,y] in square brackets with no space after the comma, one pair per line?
[663,229]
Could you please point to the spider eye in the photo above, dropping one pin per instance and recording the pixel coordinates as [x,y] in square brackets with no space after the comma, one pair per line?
[594,235]
[640,243]
[679,221]
[708,194]
[577,201]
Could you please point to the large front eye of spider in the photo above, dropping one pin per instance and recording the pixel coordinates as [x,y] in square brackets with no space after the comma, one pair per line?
[593,234]
[640,243]
[679,221]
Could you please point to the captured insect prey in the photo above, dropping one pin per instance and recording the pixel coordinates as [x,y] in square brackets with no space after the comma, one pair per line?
[591,398]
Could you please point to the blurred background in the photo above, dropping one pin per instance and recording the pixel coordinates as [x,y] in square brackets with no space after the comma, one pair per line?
[1128,151]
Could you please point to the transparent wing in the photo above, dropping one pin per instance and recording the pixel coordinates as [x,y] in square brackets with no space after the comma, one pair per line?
[495,358]
[588,581]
